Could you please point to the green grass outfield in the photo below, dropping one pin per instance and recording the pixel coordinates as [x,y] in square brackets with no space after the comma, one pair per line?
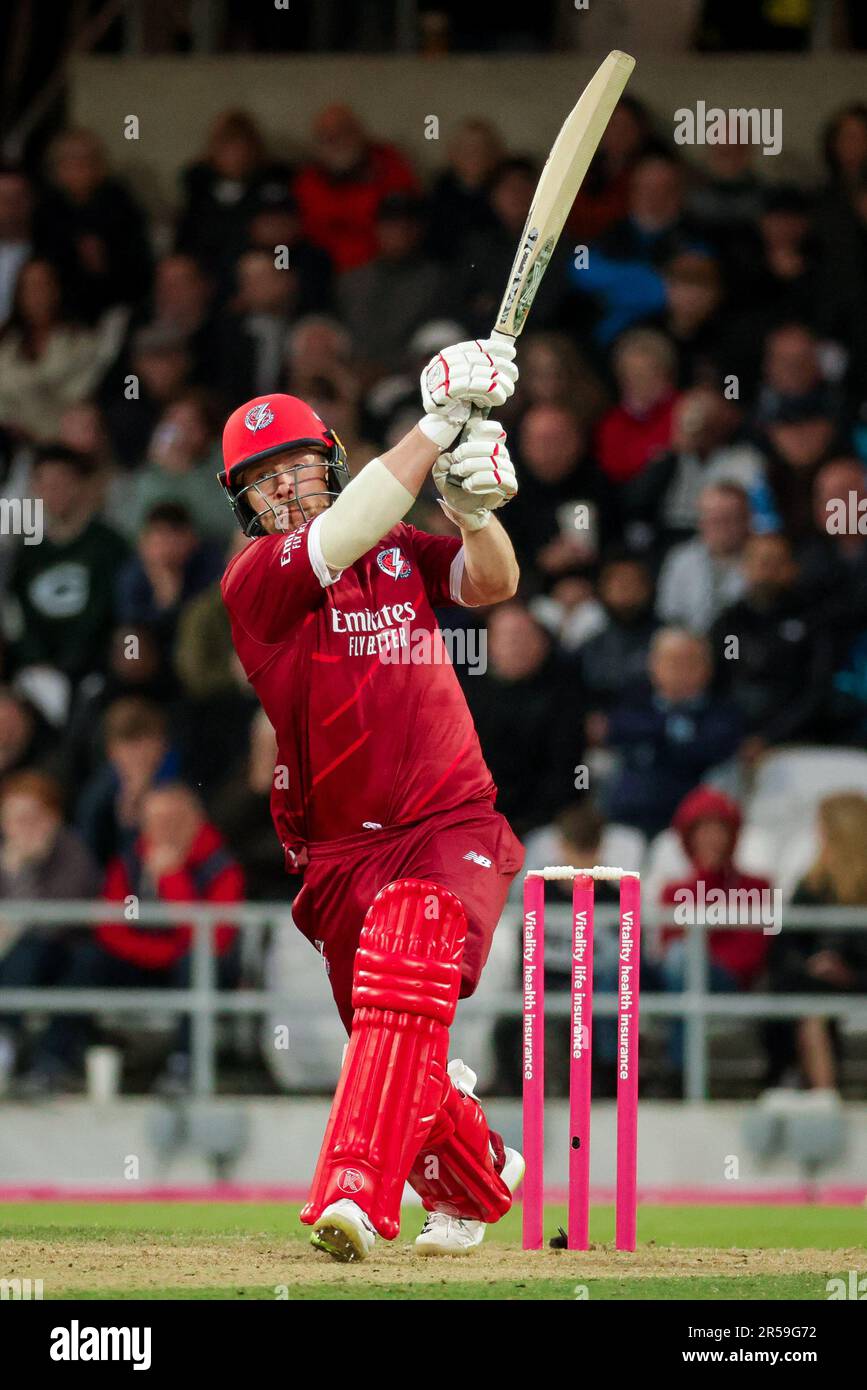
[245,1250]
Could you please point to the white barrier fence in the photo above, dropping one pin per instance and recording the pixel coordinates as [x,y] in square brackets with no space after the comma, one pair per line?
[204,1002]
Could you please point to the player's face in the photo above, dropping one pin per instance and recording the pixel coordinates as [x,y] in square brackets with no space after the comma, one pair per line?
[276,487]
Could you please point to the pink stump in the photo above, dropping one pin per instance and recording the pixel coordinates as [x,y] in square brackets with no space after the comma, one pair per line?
[627,1060]
[580,1054]
[533,1059]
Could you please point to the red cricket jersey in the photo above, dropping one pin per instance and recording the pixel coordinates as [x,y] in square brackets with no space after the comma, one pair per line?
[372,726]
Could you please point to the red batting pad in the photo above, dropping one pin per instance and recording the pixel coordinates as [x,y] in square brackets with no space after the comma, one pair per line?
[454,1170]
[405,990]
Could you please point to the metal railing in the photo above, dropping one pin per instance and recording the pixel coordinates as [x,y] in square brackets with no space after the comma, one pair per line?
[203,1001]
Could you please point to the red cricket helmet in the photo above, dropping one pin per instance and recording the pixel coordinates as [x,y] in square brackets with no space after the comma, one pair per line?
[270,425]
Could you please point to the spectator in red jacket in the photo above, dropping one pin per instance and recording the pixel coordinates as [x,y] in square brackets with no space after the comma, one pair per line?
[339,192]
[179,857]
[709,823]
[639,427]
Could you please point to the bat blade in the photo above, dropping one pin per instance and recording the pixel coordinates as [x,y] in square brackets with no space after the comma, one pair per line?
[558,186]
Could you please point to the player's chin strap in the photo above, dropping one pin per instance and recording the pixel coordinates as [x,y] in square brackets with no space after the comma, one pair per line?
[254,526]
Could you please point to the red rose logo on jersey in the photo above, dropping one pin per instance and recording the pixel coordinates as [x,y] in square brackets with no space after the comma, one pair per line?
[258,417]
[394,563]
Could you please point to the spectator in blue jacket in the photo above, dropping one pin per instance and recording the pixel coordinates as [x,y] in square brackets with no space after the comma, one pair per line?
[624,270]
[667,735]
[139,755]
[171,566]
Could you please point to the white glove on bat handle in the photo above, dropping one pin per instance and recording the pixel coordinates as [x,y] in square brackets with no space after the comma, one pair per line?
[478,373]
[477,477]
[496,337]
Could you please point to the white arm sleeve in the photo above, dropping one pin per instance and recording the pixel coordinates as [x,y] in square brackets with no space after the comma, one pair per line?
[365,511]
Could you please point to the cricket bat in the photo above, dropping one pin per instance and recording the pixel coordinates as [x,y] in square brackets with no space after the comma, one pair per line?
[558,186]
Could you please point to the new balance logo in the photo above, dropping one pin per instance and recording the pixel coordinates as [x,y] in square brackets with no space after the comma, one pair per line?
[481,859]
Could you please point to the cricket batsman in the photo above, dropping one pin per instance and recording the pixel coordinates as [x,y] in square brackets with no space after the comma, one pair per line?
[385,803]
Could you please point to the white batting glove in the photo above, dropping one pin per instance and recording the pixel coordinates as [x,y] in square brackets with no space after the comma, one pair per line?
[481,374]
[477,477]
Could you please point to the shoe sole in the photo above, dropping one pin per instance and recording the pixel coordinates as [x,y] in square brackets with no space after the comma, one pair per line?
[450,1251]
[339,1239]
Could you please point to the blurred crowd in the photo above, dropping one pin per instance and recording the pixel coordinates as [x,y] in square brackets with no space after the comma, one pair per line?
[690,435]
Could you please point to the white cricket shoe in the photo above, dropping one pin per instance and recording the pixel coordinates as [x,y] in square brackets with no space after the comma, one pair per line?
[455,1235]
[449,1235]
[344,1232]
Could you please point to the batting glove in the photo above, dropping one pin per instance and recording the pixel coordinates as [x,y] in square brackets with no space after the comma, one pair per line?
[480,374]
[477,477]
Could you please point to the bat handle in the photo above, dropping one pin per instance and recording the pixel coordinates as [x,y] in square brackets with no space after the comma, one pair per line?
[482,412]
